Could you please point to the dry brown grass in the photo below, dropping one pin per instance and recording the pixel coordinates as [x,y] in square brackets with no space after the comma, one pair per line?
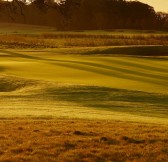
[55,40]
[81,140]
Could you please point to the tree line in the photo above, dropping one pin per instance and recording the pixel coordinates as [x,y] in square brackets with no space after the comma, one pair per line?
[84,14]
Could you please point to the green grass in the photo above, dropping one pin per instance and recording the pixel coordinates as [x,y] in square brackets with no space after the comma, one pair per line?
[94,98]
[50,83]
[118,74]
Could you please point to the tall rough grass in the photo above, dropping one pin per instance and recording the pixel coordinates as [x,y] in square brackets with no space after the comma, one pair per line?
[55,40]
[82,140]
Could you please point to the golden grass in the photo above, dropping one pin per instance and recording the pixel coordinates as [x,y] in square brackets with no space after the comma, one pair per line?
[46,84]
[60,107]
[81,140]
[124,72]
[76,40]
[27,36]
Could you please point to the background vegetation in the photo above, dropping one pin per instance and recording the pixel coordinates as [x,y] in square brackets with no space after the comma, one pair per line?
[74,96]
[27,36]
[84,14]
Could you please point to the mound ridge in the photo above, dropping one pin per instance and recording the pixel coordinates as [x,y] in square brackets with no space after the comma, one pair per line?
[28,97]
[11,83]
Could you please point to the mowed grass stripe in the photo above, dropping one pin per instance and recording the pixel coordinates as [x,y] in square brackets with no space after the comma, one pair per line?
[113,69]
[134,63]
[102,69]
[99,68]
[51,100]
[115,72]
[91,69]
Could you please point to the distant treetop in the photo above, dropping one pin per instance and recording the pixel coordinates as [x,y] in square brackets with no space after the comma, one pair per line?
[83,14]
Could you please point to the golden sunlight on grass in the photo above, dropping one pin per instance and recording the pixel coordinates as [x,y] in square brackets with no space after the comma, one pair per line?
[26,36]
[81,140]
[89,101]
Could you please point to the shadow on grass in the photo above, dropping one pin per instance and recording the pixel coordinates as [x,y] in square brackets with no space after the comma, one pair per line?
[120,100]
[2,69]
[133,50]
[11,84]
[98,68]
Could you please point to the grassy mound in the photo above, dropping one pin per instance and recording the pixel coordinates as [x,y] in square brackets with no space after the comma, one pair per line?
[32,98]
[11,83]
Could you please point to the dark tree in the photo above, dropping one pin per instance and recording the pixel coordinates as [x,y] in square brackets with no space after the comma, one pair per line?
[66,9]
[84,14]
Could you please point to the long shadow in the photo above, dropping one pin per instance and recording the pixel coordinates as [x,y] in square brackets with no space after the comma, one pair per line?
[2,69]
[133,50]
[101,69]
[21,55]
[133,72]
[120,100]
[115,73]
[133,64]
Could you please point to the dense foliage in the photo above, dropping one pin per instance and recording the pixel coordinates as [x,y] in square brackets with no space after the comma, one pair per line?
[84,14]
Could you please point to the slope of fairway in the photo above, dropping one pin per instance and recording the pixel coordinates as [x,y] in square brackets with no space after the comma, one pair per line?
[44,84]
[135,73]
